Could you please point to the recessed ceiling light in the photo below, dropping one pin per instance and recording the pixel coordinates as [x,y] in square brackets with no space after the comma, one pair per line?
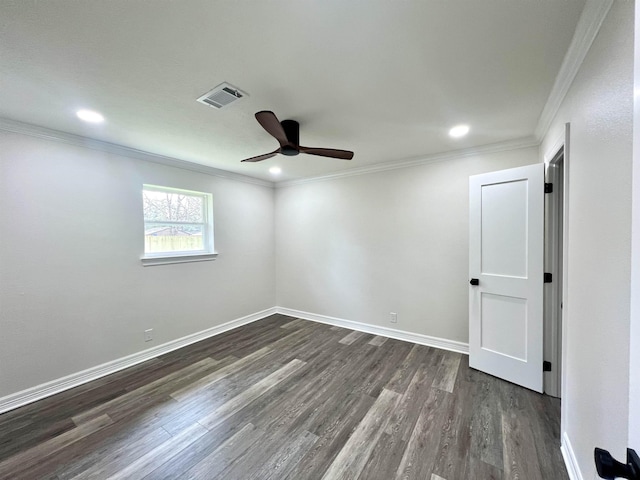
[275,170]
[90,116]
[459,131]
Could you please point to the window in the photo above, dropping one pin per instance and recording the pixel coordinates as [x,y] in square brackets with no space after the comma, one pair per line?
[178,225]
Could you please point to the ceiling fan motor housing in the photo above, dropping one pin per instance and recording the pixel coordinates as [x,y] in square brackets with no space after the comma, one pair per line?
[292,130]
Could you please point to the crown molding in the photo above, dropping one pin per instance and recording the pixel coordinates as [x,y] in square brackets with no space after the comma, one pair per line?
[586,31]
[412,162]
[13,126]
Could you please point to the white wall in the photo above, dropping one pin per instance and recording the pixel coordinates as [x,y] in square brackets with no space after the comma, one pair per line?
[73,293]
[599,108]
[359,247]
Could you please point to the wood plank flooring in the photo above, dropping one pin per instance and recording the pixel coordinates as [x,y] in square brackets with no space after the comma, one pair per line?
[284,398]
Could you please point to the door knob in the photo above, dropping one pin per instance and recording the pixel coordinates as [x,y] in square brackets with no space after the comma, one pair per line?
[608,467]
[474,281]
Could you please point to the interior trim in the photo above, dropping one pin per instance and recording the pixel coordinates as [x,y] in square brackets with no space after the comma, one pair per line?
[33,394]
[570,458]
[44,390]
[173,259]
[420,339]
[413,162]
[14,126]
[586,31]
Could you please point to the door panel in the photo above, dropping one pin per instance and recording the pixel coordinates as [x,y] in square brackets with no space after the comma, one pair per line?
[503,328]
[504,251]
[506,256]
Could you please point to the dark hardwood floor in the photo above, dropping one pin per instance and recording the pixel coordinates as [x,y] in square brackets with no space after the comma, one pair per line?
[289,399]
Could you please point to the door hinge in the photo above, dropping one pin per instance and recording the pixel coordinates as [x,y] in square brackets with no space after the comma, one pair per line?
[548,278]
[548,188]
[546,366]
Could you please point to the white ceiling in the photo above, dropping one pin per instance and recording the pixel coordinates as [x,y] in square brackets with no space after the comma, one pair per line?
[384,78]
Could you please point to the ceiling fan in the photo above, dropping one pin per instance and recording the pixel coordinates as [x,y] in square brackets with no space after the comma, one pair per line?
[287,133]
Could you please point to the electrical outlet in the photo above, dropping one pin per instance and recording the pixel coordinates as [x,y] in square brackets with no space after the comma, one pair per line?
[393,317]
[148,335]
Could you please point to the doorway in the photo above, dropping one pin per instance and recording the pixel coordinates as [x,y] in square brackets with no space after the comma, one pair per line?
[553,289]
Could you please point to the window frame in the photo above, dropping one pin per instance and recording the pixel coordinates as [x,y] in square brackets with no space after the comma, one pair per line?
[185,256]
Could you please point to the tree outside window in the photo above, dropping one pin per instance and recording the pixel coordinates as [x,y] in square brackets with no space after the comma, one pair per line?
[176,221]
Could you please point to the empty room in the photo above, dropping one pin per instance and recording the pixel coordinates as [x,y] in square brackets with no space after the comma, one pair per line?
[375,240]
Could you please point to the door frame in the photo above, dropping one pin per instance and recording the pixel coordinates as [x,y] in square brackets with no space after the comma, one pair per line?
[553,255]
[634,320]
[562,144]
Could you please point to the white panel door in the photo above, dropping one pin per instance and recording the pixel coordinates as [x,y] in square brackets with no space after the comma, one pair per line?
[506,253]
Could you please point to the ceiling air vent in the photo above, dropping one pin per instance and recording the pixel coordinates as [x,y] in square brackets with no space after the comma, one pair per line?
[221,96]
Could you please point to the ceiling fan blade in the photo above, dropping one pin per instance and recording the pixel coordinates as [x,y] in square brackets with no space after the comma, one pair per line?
[272,125]
[328,152]
[259,158]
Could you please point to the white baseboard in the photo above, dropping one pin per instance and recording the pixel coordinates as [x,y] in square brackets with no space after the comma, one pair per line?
[418,338]
[39,392]
[570,458]
[44,390]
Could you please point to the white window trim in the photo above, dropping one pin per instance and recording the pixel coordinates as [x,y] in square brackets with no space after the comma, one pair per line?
[206,254]
[150,260]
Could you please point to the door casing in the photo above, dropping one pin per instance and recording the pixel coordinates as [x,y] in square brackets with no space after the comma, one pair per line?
[553,259]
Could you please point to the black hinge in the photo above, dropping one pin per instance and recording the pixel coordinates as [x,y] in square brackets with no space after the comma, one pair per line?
[548,188]
[546,366]
[548,278]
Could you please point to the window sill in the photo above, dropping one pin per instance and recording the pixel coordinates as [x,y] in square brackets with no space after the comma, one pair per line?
[171,259]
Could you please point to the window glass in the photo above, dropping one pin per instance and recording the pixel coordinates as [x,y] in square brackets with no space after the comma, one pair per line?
[176,221]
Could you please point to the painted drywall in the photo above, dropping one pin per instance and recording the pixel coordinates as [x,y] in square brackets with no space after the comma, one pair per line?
[599,107]
[73,293]
[358,248]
